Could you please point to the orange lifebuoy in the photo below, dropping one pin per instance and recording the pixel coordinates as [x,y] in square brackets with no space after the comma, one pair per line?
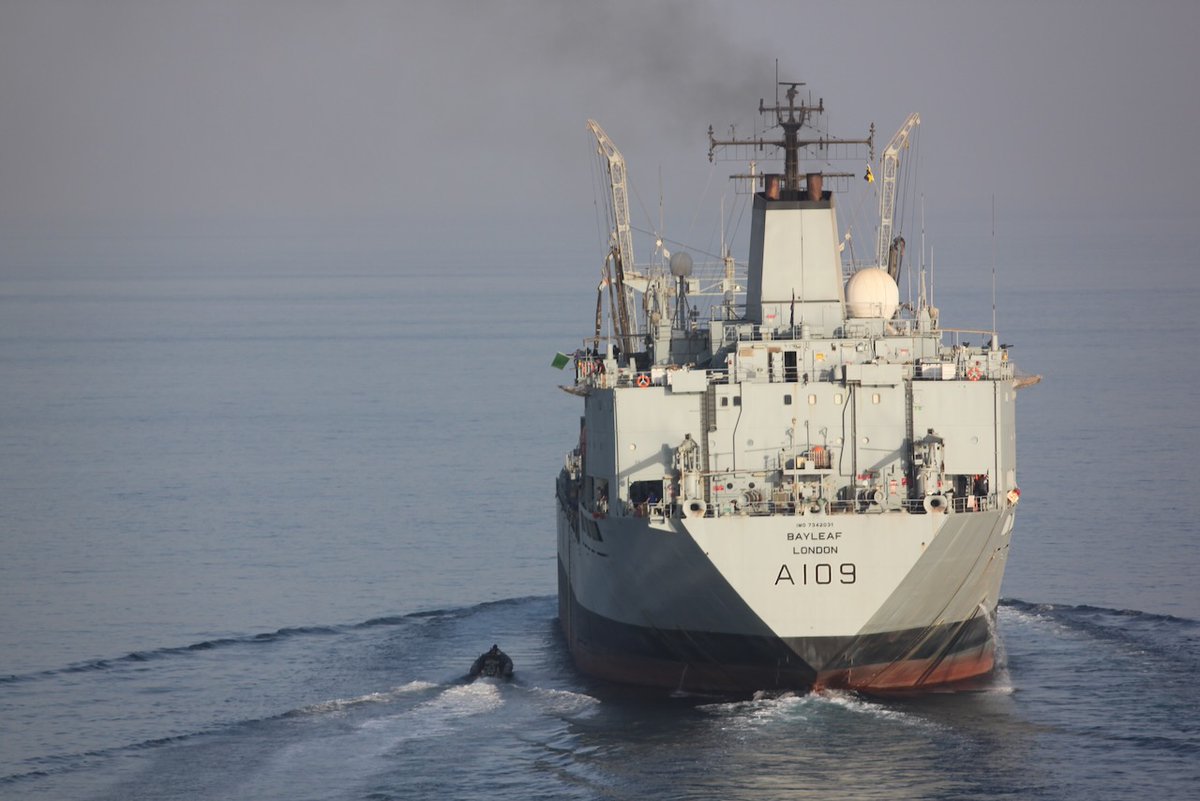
[643,380]
[974,373]
[820,457]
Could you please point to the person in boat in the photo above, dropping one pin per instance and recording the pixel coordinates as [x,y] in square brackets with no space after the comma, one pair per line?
[494,663]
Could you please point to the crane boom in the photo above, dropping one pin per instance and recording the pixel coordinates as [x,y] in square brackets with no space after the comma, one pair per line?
[622,245]
[887,192]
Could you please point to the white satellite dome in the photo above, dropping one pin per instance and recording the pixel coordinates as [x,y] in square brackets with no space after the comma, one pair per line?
[871,292]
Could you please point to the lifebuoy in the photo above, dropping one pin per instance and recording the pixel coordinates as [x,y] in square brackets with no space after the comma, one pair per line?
[820,457]
[974,373]
[643,380]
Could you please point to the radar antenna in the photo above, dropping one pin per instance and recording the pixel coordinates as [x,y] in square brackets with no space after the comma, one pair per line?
[791,118]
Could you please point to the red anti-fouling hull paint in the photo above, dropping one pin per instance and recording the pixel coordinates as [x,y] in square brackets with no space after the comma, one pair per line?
[912,674]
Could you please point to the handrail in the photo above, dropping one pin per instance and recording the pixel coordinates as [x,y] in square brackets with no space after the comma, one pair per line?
[671,509]
[733,507]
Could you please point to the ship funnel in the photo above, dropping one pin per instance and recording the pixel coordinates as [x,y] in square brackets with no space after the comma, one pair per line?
[794,273]
[771,185]
[814,180]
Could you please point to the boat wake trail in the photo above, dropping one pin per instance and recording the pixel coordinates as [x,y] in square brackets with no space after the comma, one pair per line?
[770,709]
[1172,639]
[224,687]
[387,695]
[139,658]
[136,658]
[344,704]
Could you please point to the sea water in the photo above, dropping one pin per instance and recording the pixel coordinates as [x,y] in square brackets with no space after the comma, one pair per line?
[261,507]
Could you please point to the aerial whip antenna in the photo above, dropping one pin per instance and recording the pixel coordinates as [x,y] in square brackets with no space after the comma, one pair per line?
[993,270]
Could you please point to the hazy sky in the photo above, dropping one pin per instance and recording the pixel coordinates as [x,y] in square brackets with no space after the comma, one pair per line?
[425,118]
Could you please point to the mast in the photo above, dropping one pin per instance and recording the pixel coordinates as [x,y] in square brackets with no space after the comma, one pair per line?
[791,118]
[795,280]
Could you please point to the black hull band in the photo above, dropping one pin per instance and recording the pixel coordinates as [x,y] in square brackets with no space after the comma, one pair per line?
[709,661]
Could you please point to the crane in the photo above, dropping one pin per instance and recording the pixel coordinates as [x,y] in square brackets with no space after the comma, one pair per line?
[621,251]
[887,195]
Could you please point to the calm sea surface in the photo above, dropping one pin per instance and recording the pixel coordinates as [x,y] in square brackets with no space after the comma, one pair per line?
[260,509]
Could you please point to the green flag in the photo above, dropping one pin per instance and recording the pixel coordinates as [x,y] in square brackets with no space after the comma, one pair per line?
[561,360]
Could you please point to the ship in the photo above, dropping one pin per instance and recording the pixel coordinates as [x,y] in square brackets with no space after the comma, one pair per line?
[801,483]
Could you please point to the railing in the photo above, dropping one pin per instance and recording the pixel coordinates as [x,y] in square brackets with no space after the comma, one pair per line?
[958,332]
[964,369]
[594,370]
[594,373]
[974,503]
[958,504]
[663,510]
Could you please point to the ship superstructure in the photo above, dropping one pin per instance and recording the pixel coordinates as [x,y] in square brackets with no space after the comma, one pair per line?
[807,485]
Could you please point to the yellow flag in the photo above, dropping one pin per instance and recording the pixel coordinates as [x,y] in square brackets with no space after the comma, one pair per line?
[870,176]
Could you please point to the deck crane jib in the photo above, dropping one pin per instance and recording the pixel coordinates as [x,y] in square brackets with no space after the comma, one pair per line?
[620,254]
[890,249]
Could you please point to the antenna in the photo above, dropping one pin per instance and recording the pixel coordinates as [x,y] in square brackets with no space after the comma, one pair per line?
[661,223]
[722,224]
[922,248]
[994,271]
[927,289]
